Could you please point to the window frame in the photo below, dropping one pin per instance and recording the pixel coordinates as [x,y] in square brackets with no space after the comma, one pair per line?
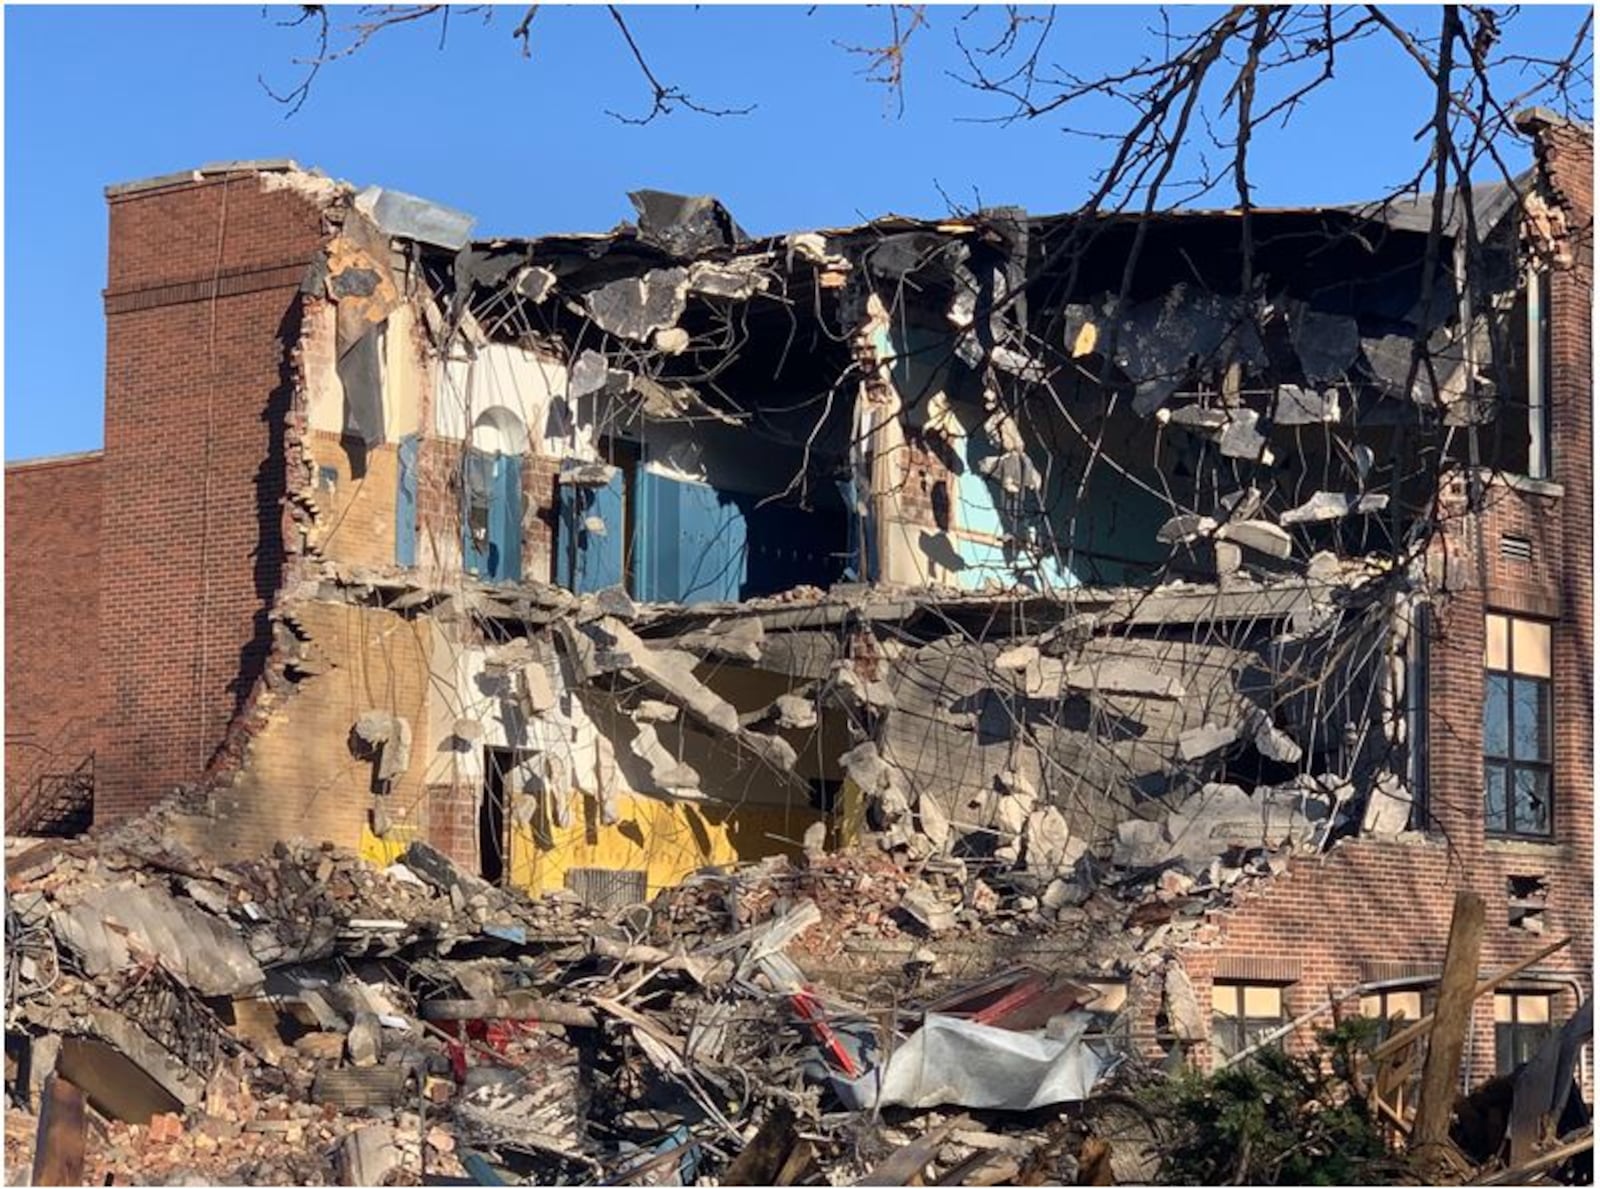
[1541,1029]
[1510,764]
[1239,1023]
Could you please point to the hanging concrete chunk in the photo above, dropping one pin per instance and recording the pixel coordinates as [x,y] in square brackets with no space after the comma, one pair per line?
[793,713]
[729,639]
[635,307]
[1260,535]
[1014,660]
[1199,742]
[671,673]
[389,735]
[1388,807]
[1241,438]
[1196,418]
[671,776]
[739,279]
[672,341]
[1271,741]
[1305,406]
[932,820]
[1334,505]
[1185,527]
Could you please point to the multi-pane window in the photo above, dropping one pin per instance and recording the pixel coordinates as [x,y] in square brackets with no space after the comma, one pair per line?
[1521,1022]
[1243,1013]
[1517,720]
[1392,1009]
[1395,1009]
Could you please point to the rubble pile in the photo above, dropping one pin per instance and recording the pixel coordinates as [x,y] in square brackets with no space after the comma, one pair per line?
[305,1017]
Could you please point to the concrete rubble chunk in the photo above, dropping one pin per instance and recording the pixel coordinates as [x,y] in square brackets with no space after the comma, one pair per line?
[670,774]
[653,711]
[1198,742]
[671,673]
[369,1155]
[674,340]
[1305,406]
[1242,438]
[1016,659]
[390,736]
[1182,1006]
[1185,527]
[932,820]
[794,713]
[732,639]
[1239,505]
[739,279]
[1195,417]
[1334,505]
[1011,814]
[858,692]
[1270,740]
[1049,847]
[363,1044]
[923,905]
[1260,535]
[1388,811]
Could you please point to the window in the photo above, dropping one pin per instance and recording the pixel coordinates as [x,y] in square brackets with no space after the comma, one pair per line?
[1528,376]
[1393,1009]
[1517,720]
[1241,1014]
[1521,1022]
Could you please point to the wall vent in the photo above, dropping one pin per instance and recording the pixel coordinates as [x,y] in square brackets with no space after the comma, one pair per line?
[607,888]
[1515,548]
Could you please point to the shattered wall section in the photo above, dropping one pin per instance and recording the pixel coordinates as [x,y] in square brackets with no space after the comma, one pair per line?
[305,771]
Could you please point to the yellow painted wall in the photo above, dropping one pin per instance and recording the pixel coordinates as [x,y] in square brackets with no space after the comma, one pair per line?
[665,840]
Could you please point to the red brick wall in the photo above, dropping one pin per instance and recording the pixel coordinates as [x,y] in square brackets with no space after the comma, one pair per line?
[201,315]
[52,608]
[1391,901]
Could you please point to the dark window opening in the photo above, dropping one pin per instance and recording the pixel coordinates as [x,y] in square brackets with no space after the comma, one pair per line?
[1524,448]
[494,840]
[1526,901]
[1518,755]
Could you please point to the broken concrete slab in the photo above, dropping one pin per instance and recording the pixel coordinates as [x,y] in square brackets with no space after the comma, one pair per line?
[1117,675]
[1260,535]
[1295,405]
[1199,742]
[923,905]
[635,307]
[110,924]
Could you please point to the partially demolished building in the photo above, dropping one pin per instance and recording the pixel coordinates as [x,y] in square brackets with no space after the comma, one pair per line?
[1044,554]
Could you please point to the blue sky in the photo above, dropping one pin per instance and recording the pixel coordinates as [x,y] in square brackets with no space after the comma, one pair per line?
[98,95]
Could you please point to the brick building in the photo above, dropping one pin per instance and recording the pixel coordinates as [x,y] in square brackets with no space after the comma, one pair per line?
[596,559]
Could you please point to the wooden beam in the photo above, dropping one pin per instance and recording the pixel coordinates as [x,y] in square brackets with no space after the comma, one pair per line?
[63,1126]
[1451,1019]
[1410,1033]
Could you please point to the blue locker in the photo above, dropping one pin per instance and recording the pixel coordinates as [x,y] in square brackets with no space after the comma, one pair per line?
[689,543]
[405,504]
[589,561]
[491,521]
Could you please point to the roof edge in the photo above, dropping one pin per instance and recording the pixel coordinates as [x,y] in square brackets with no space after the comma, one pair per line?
[210,170]
[50,460]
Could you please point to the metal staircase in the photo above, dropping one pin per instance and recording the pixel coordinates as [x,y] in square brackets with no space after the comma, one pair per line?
[58,804]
